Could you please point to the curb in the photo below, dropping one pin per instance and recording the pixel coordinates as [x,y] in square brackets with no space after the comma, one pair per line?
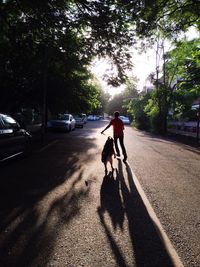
[159,228]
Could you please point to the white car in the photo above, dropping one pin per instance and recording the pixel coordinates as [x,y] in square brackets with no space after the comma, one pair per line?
[92,118]
[125,120]
[84,116]
[62,122]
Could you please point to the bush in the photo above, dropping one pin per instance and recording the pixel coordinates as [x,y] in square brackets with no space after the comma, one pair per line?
[142,122]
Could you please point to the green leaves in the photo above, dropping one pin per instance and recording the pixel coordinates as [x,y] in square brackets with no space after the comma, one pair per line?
[56,40]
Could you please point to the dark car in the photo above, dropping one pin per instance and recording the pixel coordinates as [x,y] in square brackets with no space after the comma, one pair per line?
[13,139]
[79,121]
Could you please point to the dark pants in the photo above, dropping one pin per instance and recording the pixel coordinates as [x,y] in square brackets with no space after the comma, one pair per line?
[121,141]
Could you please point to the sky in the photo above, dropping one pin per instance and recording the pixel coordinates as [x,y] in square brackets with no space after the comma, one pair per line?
[144,64]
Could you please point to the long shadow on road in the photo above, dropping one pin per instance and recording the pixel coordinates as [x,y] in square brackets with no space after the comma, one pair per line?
[36,199]
[147,248]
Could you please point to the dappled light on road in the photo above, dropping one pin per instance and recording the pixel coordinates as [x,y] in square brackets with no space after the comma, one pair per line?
[121,200]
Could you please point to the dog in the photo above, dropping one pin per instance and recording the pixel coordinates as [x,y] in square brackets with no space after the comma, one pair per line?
[108,152]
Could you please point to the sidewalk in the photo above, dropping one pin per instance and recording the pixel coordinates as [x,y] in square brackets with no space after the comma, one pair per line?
[187,140]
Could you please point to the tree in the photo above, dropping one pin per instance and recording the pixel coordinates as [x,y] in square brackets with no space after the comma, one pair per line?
[121,101]
[116,103]
[178,86]
[39,47]
[182,70]
[136,108]
[45,42]
[168,17]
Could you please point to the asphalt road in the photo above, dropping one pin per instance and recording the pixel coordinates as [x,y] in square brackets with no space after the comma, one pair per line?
[58,208]
[169,173]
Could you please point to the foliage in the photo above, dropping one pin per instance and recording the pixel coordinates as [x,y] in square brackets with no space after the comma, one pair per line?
[177,89]
[156,109]
[169,17]
[116,103]
[136,108]
[36,49]
[121,101]
[48,45]
[184,63]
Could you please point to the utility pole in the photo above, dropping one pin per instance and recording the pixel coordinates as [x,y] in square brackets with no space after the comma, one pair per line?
[44,112]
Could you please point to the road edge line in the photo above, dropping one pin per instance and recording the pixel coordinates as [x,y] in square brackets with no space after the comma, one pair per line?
[159,228]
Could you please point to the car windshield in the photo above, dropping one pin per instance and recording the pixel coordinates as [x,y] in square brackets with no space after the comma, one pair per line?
[8,121]
[63,117]
[78,116]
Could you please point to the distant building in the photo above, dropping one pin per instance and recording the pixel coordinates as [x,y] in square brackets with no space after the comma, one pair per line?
[147,88]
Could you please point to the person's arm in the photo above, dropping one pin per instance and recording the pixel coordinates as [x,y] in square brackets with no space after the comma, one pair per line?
[106,127]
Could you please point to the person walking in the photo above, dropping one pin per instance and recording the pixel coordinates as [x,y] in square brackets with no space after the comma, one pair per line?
[118,133]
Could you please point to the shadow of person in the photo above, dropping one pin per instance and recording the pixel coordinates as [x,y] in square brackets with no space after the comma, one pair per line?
[110,200]
[147,247]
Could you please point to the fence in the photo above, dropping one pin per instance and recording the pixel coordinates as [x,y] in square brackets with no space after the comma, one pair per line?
[188,128]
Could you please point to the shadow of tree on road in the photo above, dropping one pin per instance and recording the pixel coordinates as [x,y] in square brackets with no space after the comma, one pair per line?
[184,141]
[37,196]
[148,250]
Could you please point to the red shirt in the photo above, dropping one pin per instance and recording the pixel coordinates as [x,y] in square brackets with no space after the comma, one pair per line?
[118,127]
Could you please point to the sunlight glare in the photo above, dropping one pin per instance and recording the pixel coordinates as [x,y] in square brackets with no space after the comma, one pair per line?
[144,64]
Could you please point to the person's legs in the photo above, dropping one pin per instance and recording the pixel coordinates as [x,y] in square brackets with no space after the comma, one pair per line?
[116,145]
[121,140]
[111,162]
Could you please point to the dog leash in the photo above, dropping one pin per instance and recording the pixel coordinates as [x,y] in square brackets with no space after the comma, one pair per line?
[106,135]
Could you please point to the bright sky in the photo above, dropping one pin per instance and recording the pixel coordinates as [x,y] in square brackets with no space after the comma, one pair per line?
[144,64]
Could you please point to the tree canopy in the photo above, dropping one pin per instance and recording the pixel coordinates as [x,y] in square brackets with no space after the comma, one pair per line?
[175,91]
[51,43]
[122,100]
[183,63]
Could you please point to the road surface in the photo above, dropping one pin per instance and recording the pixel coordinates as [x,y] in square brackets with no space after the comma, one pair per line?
[58,208]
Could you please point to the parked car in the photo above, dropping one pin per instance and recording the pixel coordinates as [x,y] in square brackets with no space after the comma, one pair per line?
[62,122]
[84,116]
[14,140]
[79,121]
[92,118]
[125,120]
